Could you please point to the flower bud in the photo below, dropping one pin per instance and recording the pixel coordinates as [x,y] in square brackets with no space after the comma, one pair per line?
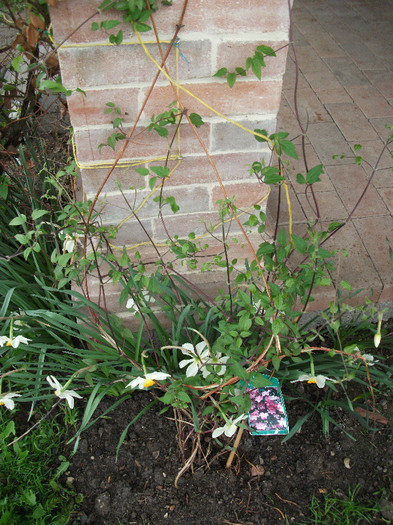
[377,339]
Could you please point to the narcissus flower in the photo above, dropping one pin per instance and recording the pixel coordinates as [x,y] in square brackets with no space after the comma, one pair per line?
[147,380]
[61,391]
[217,362]
[229,428]
[14,341]
[199,355]
[131,303]
[7,401]
[319,380]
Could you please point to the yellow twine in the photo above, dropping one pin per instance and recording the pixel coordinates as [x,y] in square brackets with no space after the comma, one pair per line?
[158,159]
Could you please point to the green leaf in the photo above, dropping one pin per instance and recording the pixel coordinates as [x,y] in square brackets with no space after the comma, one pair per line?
[116,39]
[94,26]
[346,285]
[313,175]
[21,219]
[300,179]
[266,50]
[276,361]
[260,132]
[271,175]
[221,72]
[38,213]
[241,71]
[152,182]
[256,67]
[163,132]
[289,148]
[142,28]
[23,239]
[161,171]
[300,244]
[282,237]
[142,171]
[109,24]
[196,120]
[231,79]
[172,203]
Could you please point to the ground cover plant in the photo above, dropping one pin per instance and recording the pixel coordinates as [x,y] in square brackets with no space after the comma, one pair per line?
[202,357]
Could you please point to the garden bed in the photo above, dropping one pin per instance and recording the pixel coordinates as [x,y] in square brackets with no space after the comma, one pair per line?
[269,481]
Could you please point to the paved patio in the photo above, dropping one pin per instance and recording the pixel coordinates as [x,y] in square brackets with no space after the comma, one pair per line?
[345,97]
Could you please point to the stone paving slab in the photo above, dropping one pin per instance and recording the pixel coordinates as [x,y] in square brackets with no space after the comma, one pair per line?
[345,98]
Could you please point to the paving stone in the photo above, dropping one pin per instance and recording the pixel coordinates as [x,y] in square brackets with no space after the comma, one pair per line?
[327,87]
[351,121]
[328,142]
[309,106]
[362,55]
[346,71]
[370,101]
[370,152]
[387,196]
[329,206]
[382,80]
[374,231]
[350,183]
[383,178]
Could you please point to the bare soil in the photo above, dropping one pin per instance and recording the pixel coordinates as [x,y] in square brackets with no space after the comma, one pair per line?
[269,482]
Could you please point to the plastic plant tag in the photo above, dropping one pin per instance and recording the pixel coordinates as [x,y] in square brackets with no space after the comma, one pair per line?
[267,415]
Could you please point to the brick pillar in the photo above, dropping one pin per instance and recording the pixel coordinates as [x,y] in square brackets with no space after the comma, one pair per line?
[216,34]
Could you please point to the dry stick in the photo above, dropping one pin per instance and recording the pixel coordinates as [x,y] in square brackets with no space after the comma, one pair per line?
[131,132]
[235,447]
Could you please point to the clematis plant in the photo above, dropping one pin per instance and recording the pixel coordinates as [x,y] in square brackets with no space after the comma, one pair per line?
[62,392]
[199,355]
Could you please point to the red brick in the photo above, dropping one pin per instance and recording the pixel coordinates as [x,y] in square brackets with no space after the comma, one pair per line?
[198,170]
[126,177]
[190,199]
[89,110]
[246,97]
[246,194]
[143,144]
[215,17]
[86,67]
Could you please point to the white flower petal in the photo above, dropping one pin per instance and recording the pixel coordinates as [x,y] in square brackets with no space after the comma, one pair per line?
[217,432]
[7,401]
[188,349]
[4,340]
[192,370]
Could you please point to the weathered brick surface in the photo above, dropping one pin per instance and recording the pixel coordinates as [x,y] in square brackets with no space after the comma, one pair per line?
[246,97]
[216,34]
[245,16]
[143,144]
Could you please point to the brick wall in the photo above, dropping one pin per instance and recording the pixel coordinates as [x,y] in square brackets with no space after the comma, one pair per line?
[216,33]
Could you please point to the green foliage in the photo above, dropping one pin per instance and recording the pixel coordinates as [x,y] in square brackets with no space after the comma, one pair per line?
[31,468]
[346,510]
[255,63]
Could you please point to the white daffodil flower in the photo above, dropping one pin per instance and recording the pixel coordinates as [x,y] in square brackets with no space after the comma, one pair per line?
[319,380]
[61,392]
[217,361]
[229,428]
[131,301]
[369,358]
[147,380]
[14,342]
[7,401]
[199,355]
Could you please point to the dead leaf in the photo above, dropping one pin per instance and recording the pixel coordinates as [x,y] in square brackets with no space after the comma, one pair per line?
[322,491]
[37,21]
[257,470]
[52,61]
[371,414]
[19,40]
[31,35]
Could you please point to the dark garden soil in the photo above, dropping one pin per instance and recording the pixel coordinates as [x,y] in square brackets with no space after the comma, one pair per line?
[139,487]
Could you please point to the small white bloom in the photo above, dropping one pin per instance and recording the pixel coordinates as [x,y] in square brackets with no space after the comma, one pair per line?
[69,245]
[131,301]
[229,428]
[319,380]
[148,380]
[60,392]
[7,401]
[216,362]
[369,358]
[14,342]
[199,355]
